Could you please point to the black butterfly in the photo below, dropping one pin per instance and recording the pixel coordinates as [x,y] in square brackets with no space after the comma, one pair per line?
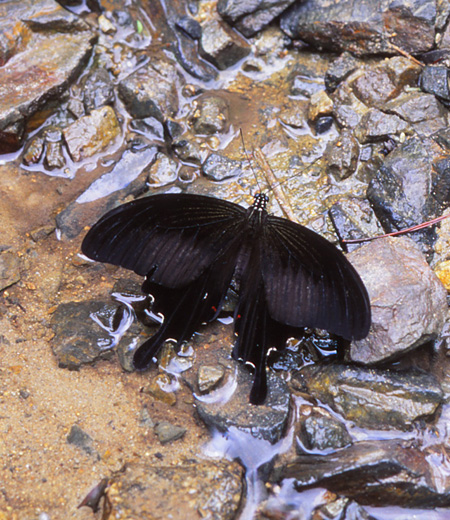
[189,248]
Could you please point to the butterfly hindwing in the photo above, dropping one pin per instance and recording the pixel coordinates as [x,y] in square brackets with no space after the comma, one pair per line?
[171,238]
[309,282]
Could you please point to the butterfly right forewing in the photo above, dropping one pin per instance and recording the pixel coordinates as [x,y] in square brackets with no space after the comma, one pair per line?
[171,238]
[309,282]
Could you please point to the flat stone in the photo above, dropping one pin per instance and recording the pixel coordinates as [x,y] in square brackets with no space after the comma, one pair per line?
[167,432]
[9,269]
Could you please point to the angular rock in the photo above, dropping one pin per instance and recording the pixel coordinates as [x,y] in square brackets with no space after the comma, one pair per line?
[209,377]
[320,105]
[401,190]
[391,472]
[189,490]
[339,70]
[363,26]
[423,111]
[354,219]
[163,171]
[91,134]
[434,80]
[374,86]
[267,421]
[46,66]
[221,46]
[409,303]
[78,339]
[249,16]
[348,109]
[211,116]
[81,439]
[376,125]
[341,155]
[9,269]
[98,90]
[319,430]
[152,91]
[372,398]
[167,432]
[218,167]
[161,389]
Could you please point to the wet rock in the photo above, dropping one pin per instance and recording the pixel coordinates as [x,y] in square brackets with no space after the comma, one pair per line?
[391,472]
[373,86]
[372,398]
[332,510]
[442,271]
[222,46]
[9,269]
[211,116]
[78,339]
[80,439]
[98,90]
[106,26]
[189,490]
[376,125]
[152,91]
[320,105]
[423,111]
[408,301]
[218,167]
[356,512]
[249,17]
[400,191]
[304,81]
[348,109]
[363,27]
[150,127]
[209,378]
[91,134]
[167,432]
[434,80]
[41,232]
[339,70]
[161,388]
[189,150]
[267,421]
[317,429]
[353,219]
[341,156]
[47,64]
[163,171]
[190,26]
[166,16]
[128,176]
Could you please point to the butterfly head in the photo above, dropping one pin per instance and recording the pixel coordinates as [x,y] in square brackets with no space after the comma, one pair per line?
[260,201]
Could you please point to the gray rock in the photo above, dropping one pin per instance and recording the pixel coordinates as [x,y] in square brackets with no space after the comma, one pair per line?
[221,46]
[341,156]
[78,339]
[372,398]
[9,269]
[267,421]
[376,125]
[80,439]
[189,150]
[373,86]
[152,91]
[218,167]
[339,70]
[434,80]
[409,303]
[47,65]
[211,116]
[98,90]
[423,111]
[191,489]
[348,109]
[354,219]
[167,432]
[391,472]
[250,16]
[319,430]
[401,190]
[363,26]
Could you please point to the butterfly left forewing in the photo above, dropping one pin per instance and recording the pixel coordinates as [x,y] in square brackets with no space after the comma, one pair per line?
[171,238]
[309,282]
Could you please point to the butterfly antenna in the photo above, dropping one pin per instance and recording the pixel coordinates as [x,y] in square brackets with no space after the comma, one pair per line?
[249,160]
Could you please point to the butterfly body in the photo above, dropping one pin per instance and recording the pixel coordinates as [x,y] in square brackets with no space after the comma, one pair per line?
[191,247]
